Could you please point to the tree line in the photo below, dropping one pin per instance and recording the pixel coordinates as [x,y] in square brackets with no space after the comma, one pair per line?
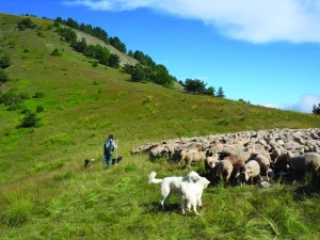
[146,71]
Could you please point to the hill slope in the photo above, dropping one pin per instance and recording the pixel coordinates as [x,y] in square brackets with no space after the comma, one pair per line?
[44,187]
[84,104]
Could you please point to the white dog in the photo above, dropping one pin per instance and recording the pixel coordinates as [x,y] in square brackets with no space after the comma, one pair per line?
[171,184]
[191,194]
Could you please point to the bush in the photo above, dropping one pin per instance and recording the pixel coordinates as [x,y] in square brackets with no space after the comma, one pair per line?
[114,61]
[39,95]
[95,64]
[39,109]
[56,53]
[3,76]
[24,95]
[5,61]
[40,34]
[30,120]
[26,23]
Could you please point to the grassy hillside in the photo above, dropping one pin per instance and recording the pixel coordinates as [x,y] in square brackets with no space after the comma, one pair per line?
[46,193]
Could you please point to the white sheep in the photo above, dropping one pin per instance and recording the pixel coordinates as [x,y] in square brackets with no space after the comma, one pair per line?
[157,152]
[252,169]
[264,163]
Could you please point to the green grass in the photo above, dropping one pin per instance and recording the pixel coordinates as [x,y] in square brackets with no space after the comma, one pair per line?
[47,194]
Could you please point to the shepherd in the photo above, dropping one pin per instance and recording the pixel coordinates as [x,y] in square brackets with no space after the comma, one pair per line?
[108,149]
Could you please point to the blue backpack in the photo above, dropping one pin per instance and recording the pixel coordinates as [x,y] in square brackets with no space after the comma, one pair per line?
[108,146]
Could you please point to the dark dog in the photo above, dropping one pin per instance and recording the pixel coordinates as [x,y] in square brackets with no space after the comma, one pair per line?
[116,161]
[87,162]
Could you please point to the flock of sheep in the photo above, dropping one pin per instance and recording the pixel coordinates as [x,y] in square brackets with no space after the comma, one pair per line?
[245,156]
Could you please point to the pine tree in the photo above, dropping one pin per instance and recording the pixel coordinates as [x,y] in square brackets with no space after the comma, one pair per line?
[220,93]
[316,109]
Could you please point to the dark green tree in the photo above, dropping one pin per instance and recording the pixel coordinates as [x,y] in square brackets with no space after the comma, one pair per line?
[59,20]
[137,74]
[116,43]
[80,46]
[100,33]
[114,61]
[72,23]
[130,53]
[102,54]
[210,91]
[195,86]
[68,34]
[162,76]
[127,68]
[138,55]
[316,109]
[26,23]
[220,92]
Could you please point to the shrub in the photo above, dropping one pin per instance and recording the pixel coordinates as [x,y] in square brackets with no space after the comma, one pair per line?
[95,63]
[39,109]
[114,61]
[5,61]
[39,95]
[24,95]
[56,53]
[11,99]
[30,120]
[25,110]
[3,76]
[26,23]
[40,34]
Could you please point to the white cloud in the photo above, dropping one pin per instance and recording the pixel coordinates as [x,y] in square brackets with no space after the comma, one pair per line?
[306,103]
[250,20]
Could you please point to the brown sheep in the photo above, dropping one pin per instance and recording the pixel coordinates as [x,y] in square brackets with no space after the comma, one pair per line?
[193,155]
[224,170]
[305,163]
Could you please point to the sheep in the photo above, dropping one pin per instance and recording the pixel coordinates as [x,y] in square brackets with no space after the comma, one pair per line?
[157,152]
[224,170]
[193,155]
[211,162]
[230,150]
[252,169]
[238,166]
[215,148]
[264,163]
[305,163]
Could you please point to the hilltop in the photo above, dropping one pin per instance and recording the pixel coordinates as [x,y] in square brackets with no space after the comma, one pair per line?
[46,193]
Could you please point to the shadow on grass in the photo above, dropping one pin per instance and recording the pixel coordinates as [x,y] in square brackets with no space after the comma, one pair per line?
[310,190]
[155,207]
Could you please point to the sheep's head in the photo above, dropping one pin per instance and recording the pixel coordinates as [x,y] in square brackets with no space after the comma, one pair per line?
[213,160]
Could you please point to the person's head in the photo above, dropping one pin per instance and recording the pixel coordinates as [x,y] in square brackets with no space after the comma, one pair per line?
[110,136]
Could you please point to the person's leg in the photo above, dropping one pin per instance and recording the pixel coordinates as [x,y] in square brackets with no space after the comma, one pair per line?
[104,161]
[109,160]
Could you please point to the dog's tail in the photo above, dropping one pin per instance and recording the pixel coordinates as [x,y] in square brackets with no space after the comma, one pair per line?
[152,178]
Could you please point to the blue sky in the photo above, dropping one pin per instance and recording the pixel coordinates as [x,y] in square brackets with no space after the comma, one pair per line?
[266,52]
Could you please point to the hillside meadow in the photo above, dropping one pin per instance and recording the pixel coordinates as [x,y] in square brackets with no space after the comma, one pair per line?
[46,193]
